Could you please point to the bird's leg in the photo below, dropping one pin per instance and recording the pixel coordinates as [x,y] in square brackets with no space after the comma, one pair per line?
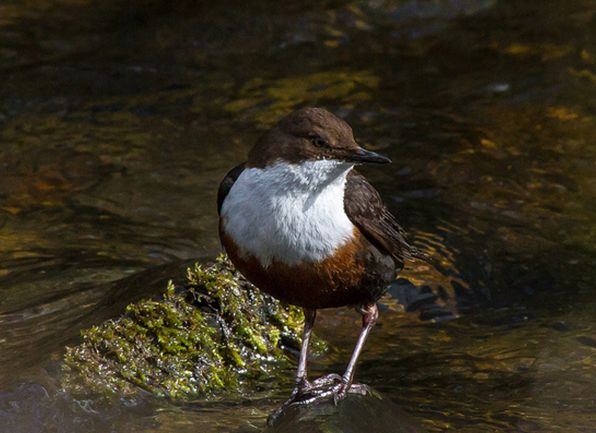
[370,314]
[302,383]
[335,386]
[331,386]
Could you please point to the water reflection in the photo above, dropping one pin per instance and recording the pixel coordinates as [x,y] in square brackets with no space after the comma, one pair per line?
[118,120]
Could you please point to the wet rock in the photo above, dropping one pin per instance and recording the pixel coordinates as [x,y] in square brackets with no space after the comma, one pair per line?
[355,414]
[212,335]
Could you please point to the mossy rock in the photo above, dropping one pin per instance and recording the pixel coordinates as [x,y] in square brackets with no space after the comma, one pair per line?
[213,335]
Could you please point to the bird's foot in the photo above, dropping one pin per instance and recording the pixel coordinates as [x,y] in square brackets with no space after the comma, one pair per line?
[331,387]
[326,381]
[301,386]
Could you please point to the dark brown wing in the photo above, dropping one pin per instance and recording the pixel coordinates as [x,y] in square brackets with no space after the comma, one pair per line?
[366,210]
[226,184]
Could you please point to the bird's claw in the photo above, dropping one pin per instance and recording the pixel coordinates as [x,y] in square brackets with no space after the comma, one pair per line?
[343,389]
[330,387]
[341,392]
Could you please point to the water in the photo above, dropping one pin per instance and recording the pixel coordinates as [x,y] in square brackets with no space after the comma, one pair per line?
[118,119]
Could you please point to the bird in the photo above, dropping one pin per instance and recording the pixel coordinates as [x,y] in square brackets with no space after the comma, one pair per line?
[304,226]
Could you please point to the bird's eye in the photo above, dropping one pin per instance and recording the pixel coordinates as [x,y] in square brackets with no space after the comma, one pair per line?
[317,140]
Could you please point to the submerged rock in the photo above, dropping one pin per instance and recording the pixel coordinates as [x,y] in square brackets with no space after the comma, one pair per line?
[212,335]
[355,414]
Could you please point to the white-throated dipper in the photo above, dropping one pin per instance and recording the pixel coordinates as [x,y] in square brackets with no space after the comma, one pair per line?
[301,224]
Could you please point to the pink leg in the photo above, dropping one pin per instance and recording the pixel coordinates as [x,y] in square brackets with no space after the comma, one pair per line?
[370,314]
[331,386]
[301,375]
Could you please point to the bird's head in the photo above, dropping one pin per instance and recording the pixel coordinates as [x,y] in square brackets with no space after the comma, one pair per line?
[310,134]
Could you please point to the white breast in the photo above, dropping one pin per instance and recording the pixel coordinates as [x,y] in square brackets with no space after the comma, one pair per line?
[290,213]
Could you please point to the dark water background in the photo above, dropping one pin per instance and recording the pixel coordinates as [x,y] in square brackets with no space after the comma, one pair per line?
[119,118]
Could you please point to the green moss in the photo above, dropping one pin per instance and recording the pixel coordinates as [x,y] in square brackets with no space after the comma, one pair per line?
[212,335]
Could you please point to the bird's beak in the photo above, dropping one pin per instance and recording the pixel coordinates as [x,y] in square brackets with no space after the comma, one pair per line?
[368,157]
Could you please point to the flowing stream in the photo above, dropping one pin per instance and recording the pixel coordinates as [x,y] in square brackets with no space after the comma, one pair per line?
[118,119]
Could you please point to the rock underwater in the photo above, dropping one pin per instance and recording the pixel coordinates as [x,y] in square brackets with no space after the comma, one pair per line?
[212,335]
[355,414]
